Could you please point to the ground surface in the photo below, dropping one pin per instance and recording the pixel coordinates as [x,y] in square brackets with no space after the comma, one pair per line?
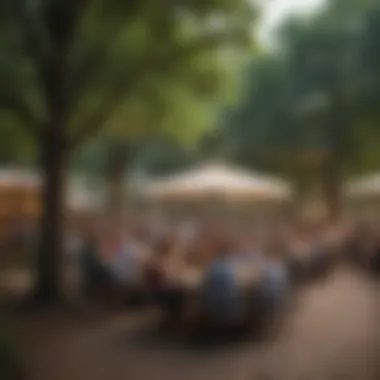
[331,335]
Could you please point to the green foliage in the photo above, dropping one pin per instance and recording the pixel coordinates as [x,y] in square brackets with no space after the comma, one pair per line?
[16,145]
[128,71]
[90,159]
[116,60]
[315,97]
[164,156]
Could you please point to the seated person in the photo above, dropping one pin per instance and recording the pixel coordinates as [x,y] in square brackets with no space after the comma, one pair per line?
[127,265]
[160,281]
[222,298]
[94,273]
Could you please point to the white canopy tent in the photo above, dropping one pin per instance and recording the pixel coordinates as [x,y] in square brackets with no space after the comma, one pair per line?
[365,187]
[220,182]
[362,196]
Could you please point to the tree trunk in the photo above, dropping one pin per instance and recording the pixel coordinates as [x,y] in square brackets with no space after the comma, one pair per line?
[119,157]
[49,285]
[332,187]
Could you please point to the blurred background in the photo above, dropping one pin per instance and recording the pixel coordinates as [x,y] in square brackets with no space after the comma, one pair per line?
[120,113]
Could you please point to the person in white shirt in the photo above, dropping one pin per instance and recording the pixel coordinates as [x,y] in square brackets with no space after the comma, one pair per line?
[127,264]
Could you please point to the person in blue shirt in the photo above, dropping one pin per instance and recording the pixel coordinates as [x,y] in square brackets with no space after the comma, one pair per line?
[222,299]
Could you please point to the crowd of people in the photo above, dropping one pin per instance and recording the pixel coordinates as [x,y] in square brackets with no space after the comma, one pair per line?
[227,270]
[220,271]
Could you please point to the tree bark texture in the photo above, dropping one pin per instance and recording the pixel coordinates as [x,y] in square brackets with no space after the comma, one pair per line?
[53,163]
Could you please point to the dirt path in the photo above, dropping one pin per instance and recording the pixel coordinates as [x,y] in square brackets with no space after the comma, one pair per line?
[331,336]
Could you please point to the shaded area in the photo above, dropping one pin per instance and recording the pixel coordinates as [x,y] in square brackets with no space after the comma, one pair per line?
[332,333]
